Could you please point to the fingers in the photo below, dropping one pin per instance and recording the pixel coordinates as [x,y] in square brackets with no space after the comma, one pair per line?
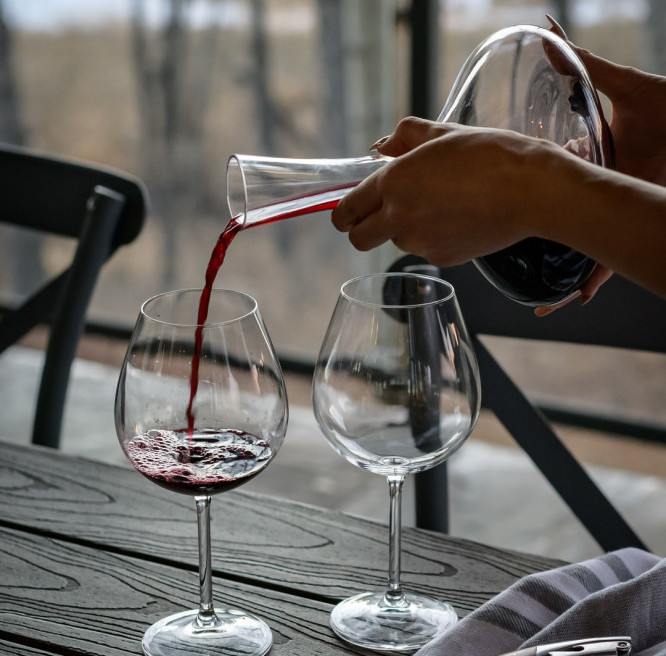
[556,28]
[410,133]
[599,276]
[611,79]
[545,310]
[359,203]
[366,198]
[558,59]
[369,233]
[586,293]
[360,214]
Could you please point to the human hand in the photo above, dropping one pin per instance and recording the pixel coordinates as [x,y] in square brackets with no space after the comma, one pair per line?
[639,132]
[638,124]
[638,127]
[455,203]
[584,295]
[441,177]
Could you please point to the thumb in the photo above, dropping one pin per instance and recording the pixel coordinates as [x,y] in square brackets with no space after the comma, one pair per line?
[611,79]
[410,133]
[615,81]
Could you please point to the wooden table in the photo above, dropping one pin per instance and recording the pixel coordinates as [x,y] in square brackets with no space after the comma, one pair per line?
[92,554]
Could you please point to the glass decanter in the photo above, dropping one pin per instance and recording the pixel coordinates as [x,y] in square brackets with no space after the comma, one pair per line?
[522,78]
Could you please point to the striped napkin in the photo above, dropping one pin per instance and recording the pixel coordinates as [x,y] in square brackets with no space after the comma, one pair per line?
[622,593]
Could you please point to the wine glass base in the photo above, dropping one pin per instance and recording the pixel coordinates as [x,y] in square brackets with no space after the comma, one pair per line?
[370,620]
[234,632]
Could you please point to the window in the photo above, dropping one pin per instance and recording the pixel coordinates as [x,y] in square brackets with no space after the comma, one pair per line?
[168,89]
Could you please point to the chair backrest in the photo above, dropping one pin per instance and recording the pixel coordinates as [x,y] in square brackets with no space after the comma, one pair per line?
[102,209]
[622,315]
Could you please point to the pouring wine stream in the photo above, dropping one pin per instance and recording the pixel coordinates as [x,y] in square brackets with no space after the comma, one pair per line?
[264,190]
[546,100]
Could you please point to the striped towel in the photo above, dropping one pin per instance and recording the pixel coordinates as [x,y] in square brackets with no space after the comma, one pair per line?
[622,593]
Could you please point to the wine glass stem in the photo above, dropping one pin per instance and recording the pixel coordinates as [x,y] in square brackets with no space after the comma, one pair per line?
[394,592]
[206,616]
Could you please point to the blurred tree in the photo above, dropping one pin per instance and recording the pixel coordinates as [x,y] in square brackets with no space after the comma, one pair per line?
[263,100]
[563,16]
[172,66]
[656,27]
[332,57]
[274,121]
[27,270]
[358,45]
[277,123]
[11,128]
[359,72]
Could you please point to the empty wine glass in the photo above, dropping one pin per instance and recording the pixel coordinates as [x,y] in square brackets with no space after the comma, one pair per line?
[395,392]
[201,409]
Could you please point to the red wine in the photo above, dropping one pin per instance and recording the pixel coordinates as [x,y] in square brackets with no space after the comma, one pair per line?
[320,201]
[536,271]
[532,272]
[235,225]
[214,264]
[203,462]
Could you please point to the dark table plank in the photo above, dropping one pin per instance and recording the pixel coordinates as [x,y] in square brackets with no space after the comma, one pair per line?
[63,596]
[20,649]
[280,545]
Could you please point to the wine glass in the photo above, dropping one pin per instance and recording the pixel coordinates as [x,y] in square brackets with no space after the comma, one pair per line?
[395,392]
[201,408]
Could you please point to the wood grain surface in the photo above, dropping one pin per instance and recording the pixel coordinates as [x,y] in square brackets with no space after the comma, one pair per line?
[92,554]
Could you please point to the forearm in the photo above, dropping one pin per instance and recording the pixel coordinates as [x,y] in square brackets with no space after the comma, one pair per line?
[616,219]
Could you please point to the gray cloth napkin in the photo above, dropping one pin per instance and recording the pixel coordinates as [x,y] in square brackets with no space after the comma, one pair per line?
[622,593]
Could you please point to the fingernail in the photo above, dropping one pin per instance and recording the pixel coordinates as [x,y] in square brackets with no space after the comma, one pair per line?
[543,311]
[378,143]
[584,299]
[557,27]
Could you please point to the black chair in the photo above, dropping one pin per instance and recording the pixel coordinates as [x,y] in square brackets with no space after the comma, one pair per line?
[102,209]
[622,315]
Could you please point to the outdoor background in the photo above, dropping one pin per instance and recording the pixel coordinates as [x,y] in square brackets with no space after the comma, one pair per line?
[168,89]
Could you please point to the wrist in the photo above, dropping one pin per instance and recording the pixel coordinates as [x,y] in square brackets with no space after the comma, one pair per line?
[572,198]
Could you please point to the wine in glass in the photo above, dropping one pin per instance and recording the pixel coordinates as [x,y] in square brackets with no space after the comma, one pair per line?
[395,391]
[201,408]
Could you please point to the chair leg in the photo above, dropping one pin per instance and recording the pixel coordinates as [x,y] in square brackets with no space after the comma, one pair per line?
[431,488]
[95,245]
[533,433]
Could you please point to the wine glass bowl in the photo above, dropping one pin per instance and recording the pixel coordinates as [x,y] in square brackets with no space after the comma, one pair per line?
[201,409]
[395,391]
